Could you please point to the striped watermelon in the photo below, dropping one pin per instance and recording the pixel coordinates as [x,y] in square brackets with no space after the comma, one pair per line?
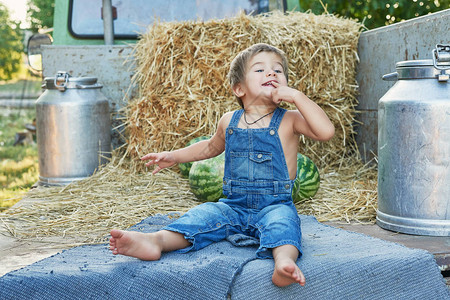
[185,167]
[205,178]
[307,182]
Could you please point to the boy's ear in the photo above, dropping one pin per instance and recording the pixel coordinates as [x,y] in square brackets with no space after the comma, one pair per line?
[238,90]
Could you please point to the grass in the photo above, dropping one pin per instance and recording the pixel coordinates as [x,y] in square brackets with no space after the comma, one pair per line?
[24,83]
[18,164]
[19,86]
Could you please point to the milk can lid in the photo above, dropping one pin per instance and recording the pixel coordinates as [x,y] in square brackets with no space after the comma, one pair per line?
[436,68]
[63,81]
[421,69]
[419,63]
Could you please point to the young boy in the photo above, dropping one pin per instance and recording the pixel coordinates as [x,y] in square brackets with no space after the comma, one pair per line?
[260,143]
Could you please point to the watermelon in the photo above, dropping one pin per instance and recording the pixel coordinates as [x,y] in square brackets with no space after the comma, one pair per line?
[206,177]
[307,182]
[185,167]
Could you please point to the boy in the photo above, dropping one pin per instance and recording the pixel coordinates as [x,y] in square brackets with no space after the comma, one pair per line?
[260,143]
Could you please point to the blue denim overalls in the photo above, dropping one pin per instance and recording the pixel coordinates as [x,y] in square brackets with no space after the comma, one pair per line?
[258,190]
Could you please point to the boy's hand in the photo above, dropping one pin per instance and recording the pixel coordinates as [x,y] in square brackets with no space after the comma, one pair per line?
[162,160]
[283,93]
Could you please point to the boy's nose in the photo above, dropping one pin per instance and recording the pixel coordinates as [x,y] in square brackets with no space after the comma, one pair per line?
[270,73]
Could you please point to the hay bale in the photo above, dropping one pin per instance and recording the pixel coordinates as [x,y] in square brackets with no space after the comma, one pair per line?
[183,90]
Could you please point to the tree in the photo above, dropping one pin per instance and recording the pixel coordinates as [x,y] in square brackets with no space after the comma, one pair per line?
[11,45]
[40,14]
[376,13]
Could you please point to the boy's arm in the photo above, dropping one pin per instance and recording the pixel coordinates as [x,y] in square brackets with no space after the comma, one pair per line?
[310,120]
[198,151]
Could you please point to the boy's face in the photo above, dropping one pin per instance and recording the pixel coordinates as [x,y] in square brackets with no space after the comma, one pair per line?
[262,70]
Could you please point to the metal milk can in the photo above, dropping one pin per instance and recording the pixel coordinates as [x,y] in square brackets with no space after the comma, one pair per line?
[414,147]
[73,129]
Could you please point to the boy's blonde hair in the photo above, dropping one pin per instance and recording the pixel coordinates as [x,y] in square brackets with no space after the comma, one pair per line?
[238,67]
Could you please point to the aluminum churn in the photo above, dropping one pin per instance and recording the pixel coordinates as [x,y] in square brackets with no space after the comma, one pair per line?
[414,147]
[73,129]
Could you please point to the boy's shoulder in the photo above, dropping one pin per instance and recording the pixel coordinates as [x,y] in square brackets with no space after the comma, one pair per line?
[231,113]
[225,119]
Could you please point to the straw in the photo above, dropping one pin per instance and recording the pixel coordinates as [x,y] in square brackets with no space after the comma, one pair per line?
[84,212]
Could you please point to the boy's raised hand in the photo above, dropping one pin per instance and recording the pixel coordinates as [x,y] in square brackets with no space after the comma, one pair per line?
[162,160]
[283,93]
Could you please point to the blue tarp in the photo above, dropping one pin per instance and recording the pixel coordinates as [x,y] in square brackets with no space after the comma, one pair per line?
[337,264]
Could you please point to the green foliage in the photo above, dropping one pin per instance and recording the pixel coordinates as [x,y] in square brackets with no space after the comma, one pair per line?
[11,45]
[18,164]
[40,14]
[376,13]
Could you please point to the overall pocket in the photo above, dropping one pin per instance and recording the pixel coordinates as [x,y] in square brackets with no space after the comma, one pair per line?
[251,166]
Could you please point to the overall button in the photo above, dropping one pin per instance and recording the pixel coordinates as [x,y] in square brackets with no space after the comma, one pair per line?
[272,132]
[230,131]
[218,224]
[287,186]
[259,155]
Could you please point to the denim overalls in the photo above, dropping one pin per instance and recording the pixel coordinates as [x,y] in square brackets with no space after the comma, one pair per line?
[258,190]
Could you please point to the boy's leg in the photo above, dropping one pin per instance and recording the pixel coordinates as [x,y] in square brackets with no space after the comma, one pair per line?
[145,246]
[286,270]
[281,223]
[202,225]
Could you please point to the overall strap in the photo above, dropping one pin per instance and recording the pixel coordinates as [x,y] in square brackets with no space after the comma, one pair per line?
[277,117]
[235,118]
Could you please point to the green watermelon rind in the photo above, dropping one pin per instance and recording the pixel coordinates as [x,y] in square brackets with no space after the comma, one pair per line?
[307,182]
[205,179]
[186,167]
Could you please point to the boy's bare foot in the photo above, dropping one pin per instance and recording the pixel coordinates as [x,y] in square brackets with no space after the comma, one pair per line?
[287,272]
[144,246]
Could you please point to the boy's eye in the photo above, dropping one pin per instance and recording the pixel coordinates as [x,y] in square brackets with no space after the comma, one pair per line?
[259,70]
[278,71]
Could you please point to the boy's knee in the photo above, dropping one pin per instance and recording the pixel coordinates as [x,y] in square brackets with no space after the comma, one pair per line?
[280,212]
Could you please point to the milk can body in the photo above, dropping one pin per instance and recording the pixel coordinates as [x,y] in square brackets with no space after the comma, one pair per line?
[73,129]
[414,151]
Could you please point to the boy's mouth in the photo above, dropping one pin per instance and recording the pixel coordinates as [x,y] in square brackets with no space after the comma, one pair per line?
[269,83]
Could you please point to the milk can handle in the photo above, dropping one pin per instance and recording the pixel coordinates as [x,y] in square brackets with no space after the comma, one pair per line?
[92,86]
[61,77]
[390,77]
[441,54]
